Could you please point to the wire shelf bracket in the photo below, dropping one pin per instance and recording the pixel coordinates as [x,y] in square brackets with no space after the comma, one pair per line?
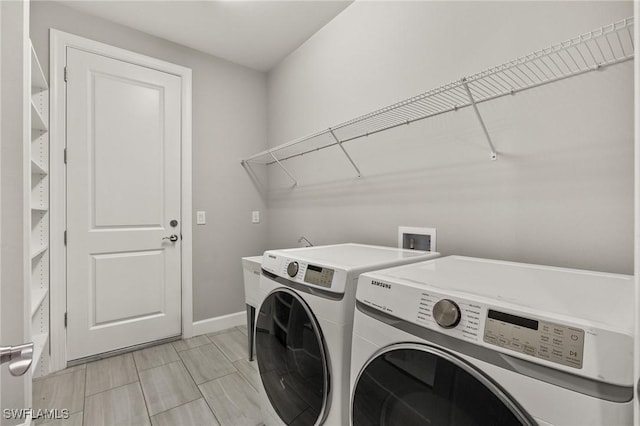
[345,152]
[295,182]
[494,154]
[603,47]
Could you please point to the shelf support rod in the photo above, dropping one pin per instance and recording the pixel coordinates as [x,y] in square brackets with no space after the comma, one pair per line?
[345,152]
[295,182]
[494,154]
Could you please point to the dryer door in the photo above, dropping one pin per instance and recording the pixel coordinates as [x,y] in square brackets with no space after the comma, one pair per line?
[411,384]
[292,358]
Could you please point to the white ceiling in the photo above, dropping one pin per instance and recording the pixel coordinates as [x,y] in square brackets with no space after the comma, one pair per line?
[257,34]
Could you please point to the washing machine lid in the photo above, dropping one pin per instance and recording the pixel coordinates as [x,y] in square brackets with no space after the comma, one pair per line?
[599,297]
[413,384]
[332,268]
[353,256]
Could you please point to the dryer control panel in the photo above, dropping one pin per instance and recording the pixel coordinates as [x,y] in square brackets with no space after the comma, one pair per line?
[497,308]
[480,322]
[545,340]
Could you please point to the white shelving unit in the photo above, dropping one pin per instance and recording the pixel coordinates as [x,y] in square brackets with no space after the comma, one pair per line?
[606,46]
[39,245]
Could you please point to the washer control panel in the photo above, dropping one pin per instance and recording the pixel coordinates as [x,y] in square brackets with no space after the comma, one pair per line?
[319,276]
[308,273]
[545,340]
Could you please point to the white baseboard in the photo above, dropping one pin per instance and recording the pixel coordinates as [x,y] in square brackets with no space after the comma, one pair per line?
[211,325]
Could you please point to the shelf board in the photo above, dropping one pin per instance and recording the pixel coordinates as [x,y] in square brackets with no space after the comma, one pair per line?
[38,79]
[37,121]
[37,169]
[39,208]
[37,251]
[37,297]
[39,343]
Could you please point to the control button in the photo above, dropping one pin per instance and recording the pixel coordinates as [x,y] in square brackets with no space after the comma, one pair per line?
[446,313]
[517,346]
[292,269]
[530,350]
[574,337]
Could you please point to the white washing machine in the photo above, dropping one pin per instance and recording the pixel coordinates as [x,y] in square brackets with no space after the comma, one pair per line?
[251,267]
[304,324]
[465,341]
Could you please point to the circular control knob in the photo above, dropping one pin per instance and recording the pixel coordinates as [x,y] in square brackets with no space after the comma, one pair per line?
[292,269]
[446,313]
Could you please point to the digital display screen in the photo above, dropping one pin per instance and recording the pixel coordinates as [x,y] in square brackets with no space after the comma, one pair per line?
[319,276]
[513,319]
[314,268]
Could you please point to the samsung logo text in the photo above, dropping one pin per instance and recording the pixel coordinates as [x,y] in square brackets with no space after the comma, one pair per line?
[380,284]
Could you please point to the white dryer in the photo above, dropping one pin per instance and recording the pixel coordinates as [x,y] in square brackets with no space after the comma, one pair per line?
[465,341]
[304,324]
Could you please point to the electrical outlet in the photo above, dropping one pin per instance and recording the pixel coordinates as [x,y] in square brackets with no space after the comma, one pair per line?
[201,217]
[255,216]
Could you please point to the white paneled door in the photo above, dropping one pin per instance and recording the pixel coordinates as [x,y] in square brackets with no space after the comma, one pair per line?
[123,192]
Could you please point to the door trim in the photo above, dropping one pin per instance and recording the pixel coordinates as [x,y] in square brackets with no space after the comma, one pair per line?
[58,43]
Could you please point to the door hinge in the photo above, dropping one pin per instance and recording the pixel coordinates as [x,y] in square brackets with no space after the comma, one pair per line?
[65,238]
[65,74]
[65,320]
[65,156]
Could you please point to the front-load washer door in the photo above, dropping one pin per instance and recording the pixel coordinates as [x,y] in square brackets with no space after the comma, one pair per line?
[411,384]
[292,359]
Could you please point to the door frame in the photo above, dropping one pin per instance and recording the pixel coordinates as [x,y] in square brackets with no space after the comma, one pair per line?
[58,43]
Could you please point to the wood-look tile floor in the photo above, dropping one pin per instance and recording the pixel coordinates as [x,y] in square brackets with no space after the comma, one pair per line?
[202,381]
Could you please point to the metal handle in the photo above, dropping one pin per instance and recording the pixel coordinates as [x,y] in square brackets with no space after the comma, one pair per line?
[19,358]
[173,238]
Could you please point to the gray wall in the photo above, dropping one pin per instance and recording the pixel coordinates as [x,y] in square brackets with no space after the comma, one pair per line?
[561,192]
[229,122]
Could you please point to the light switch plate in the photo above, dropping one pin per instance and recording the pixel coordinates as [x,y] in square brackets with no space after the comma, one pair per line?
[201,217]
[255,216]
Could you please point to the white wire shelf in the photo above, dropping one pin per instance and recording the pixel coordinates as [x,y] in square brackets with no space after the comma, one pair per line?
[609,45]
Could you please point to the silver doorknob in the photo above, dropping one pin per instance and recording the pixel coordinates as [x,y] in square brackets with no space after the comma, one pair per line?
[19,358]
[173,238]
